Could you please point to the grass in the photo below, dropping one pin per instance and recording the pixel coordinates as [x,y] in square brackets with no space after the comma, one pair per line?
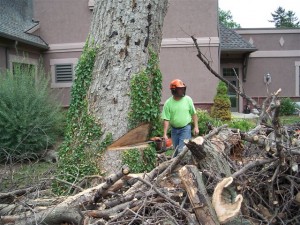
[287,120]
[22,175]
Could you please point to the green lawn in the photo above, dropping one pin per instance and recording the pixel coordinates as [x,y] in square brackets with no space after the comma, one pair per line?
[286,120]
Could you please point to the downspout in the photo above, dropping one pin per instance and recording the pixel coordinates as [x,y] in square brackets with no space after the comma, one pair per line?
[16,47]
[6,58]
[245,66]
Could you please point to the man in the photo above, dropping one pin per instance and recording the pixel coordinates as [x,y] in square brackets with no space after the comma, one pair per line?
[179,111]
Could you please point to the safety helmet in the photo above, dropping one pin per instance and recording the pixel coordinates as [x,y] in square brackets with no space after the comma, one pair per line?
[175,85]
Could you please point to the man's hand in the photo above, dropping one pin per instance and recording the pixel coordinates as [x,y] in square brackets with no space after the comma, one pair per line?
[196,131]
[195,120]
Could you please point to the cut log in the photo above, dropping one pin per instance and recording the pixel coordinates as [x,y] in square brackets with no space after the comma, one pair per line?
[193,183]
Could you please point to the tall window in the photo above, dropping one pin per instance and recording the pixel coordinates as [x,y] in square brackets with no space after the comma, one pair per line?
[231,75]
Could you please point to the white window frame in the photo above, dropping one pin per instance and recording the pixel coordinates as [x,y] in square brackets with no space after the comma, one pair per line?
[297,76]
[54,62]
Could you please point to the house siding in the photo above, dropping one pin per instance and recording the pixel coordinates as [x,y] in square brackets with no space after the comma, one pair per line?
[66,21]
[66,31]
[183,20]
[282,71]
[278,51]
[64,26]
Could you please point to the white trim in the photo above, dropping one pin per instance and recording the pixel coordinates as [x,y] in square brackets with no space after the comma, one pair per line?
[53,62]
[166,43]
[268,31]
[275,54]
[188,42]
[20,59]
[66,47]
[297,76]
[33,29]
[91,4]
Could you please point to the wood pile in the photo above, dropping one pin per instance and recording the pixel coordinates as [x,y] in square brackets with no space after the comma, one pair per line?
[225,177]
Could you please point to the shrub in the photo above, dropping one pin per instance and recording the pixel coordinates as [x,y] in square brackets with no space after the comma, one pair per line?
[30,120]
[221,107]
[242,124]
[287,107]
[203,119]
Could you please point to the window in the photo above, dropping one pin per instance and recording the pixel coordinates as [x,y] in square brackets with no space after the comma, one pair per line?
[27,64]
[17,66]
[62,72]
[230,72]
[231,75]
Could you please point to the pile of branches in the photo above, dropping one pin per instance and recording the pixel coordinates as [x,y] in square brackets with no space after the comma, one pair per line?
[225,177]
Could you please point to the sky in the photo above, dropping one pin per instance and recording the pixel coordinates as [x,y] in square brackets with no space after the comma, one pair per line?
[257,13]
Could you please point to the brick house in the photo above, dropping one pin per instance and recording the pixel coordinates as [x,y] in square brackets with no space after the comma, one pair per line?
[55,31]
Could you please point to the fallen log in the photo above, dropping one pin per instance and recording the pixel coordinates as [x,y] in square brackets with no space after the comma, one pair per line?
[201,205]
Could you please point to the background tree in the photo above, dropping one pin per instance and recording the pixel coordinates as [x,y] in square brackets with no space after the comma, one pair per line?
[283,19]
[225,18]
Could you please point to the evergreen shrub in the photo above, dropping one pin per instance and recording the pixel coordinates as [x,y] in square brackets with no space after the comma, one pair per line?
[222,105]
[30,120]
[287,107]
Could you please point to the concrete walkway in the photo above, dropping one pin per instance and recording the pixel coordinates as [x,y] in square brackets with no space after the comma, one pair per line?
[243,116]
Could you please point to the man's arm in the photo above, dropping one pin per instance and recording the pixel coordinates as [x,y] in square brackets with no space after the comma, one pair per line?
[166,127]
[195,121]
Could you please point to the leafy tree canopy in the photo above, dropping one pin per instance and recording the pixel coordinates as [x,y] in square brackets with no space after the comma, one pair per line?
[225,18]
[283,19]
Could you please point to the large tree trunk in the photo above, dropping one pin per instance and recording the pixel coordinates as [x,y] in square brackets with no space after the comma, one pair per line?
[123,30]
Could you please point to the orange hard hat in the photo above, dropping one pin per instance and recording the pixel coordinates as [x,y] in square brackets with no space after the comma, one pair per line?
[176,84]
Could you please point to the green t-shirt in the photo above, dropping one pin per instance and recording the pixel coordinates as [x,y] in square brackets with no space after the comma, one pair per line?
[179,113]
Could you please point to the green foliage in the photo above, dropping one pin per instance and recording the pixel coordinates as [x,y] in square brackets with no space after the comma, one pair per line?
[204,119]
[283,19]
[287,107]
[139,160]
[145,96]
[242,124]
[30,120]
[226,19]
[81,147]
[221,107]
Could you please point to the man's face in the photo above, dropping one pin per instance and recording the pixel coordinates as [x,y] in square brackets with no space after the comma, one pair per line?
[180,91]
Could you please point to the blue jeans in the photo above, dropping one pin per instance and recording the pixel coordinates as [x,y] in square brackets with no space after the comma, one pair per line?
[178,135]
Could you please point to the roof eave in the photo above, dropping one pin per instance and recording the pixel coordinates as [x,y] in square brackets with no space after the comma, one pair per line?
[41,46]
[239,50]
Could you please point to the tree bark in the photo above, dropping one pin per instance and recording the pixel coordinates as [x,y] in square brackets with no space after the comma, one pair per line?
[123,30]
[196,190]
